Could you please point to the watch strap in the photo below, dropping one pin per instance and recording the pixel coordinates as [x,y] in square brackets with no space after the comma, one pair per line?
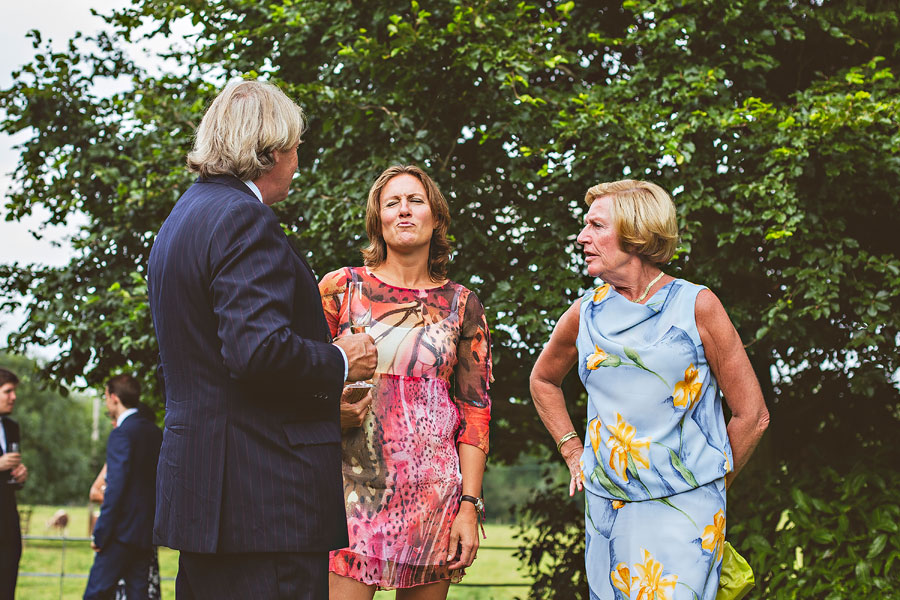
[479,508]
[478,502]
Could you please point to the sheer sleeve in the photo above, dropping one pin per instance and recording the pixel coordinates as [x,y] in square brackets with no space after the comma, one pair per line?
[473,376]
[332,288]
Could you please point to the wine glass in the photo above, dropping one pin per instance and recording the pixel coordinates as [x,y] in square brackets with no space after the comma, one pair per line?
[13,448]
[359,308]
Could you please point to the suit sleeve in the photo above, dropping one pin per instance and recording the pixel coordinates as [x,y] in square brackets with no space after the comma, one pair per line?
[11,429]
[253,294]
[118,465]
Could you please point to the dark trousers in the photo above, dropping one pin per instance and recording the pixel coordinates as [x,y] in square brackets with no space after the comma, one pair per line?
[10,553]
[119,561]
[252,576]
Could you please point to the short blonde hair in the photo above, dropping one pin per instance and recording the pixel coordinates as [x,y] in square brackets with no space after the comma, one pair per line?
[439,254]
[242,129]
[643,216]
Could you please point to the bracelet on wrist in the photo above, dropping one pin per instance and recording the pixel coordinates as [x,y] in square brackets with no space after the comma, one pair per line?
[564,439]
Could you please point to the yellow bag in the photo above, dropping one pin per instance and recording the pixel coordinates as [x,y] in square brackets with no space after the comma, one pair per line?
[737,576]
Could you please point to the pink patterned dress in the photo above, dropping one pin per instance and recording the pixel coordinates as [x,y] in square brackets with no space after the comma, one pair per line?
[402,480]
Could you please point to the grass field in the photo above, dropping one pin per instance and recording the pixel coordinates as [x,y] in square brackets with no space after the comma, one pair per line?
[74,558]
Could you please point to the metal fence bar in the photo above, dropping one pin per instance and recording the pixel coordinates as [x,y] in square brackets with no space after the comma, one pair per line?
[63,575]
[62,568]
[60,575]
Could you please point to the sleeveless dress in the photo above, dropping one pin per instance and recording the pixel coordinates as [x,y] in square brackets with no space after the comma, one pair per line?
[656,450]
[402,480]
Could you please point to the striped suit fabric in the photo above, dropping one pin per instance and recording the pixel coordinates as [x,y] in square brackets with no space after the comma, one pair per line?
[250,460]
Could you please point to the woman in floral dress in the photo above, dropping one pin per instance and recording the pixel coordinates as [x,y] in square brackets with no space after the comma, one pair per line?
[653,353]
[414,448]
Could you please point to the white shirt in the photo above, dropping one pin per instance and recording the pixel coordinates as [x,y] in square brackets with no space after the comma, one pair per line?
[3,434]
[125,414]
[258,194]
[254,189]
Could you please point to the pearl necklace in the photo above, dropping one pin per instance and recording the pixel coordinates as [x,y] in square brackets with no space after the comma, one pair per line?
[647,289]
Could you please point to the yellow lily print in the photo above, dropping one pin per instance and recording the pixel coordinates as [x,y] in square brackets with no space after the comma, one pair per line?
[714,535]
[601,359]
[621,578]
[617,504]
[622,445]
[687,391]
[594,431]
[601,292]
[650,583]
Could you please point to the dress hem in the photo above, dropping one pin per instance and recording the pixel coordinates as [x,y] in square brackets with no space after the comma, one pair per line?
[350,564]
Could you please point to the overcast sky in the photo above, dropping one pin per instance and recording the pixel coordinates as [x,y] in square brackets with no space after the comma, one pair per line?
[57,20]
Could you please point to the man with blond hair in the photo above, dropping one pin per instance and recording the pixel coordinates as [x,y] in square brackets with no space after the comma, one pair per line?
[249,480]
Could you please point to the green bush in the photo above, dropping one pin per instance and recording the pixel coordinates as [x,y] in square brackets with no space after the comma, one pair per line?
[825,533]
[56,439]
[551,540]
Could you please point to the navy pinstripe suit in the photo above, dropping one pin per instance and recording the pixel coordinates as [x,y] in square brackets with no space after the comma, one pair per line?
[250,460]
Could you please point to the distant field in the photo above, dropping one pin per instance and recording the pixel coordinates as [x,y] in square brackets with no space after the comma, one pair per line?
[492,566]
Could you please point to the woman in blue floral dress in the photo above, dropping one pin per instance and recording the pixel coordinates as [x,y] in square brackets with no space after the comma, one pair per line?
[655,354]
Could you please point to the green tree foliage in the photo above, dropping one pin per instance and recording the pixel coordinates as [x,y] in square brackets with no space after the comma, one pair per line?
[56,439]
[774,123]
[828,532]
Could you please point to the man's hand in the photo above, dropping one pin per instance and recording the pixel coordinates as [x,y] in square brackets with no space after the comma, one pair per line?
[362,357]
[94,546]
[353,411]
[20,473]
[10,461]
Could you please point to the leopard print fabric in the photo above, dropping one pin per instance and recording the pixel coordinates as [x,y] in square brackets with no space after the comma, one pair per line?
[401,467]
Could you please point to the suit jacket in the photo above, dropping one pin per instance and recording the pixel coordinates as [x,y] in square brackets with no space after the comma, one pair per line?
[9,514]
[129,501]
[250,460]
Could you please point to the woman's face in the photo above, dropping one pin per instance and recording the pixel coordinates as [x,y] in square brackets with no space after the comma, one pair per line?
[601,248]
[406,220]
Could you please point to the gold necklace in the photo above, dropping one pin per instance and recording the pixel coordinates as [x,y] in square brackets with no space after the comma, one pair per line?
[647,289]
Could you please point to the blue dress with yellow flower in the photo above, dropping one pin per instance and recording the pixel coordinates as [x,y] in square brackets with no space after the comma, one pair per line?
[656,450]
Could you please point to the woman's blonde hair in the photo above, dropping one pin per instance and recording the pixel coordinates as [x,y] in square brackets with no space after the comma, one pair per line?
[242,129]
[643,216]
[439,254]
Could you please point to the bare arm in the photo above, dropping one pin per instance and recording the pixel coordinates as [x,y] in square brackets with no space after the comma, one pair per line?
[98,487]
[554,362]
[731,367]
[464,531]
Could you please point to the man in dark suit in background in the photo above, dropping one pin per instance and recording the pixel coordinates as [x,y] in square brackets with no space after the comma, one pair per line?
[123,535]
[249,485]
[12,475]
